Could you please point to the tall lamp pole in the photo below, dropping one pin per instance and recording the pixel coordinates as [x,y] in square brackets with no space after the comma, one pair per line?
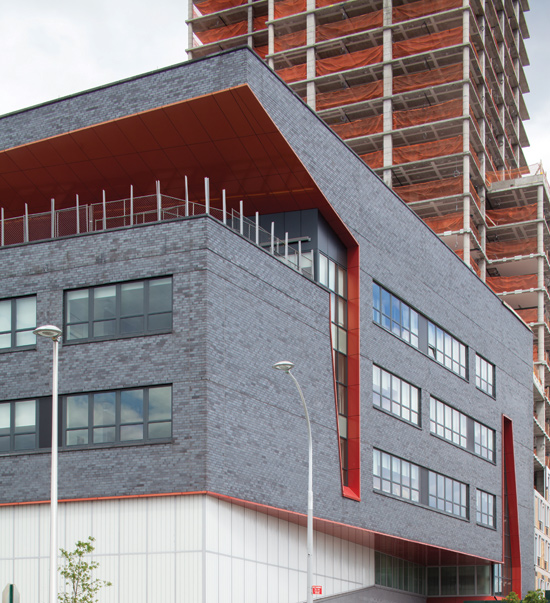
[286,367]
[54,334]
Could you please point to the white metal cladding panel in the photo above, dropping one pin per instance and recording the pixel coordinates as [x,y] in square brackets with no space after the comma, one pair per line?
[188,578]
[189,523]
[133,523]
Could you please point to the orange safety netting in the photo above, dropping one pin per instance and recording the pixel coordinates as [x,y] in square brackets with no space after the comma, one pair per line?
[430,190]
[360,127]
[475,196]
[261,51]
[473,263]
[506,284]
[476,123]
[284,8]
[427,150]
[424,79]
[349,61]
[423,115]
[222,33]
[260,23]
[449,222]
[320,3]
[346,96]
[349,26]
[499,176]
[475,157]
[374,160]
[207,7]
[424,7]
[293,74]
[442,39]
[511,215]
[497,250]
[528,314]
[291,40]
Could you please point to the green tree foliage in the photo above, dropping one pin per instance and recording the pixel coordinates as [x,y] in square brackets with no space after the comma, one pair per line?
[83,588]
[533,596]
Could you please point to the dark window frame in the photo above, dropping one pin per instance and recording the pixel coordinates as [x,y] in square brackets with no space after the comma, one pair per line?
[480,381]
[118,423]
[10,434]
[13,327]
[118,333]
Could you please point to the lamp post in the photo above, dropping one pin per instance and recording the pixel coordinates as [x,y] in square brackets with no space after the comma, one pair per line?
[286,367]
[53,333]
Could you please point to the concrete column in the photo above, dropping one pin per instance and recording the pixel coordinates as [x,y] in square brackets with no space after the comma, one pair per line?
[388,91]
[190,28]
[250,18]
[466,133]
[270,31]
[310,53]
[540,282]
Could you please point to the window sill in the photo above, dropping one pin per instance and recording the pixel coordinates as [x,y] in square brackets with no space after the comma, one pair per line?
[63,449]
[22,348]
[115,338]
[477,456]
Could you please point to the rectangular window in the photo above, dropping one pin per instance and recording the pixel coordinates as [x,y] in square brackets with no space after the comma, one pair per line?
[124,309]
[448,495]
[395,476]
[485,376]
[18,425]
[394,395]
[129,415]
[446,350]
[485,508]
[17,323]
[394,315]
[458,428]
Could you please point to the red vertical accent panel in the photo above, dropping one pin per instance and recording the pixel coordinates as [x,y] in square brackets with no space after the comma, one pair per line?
[510,476]
[353,489]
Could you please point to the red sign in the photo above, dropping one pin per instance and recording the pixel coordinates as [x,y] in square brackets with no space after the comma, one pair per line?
[316,590]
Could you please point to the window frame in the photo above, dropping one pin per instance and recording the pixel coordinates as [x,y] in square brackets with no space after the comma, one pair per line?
[480,363]
[401,319]
[13,326]
[90,426]
[393,403]
[117,334]
[479,509]
[444,356]
[443,484]
[11,432]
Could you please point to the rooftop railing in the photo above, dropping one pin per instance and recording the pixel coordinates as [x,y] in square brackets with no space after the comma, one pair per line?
[148,209]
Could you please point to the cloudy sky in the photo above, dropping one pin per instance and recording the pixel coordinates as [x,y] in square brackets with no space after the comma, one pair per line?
[54,48]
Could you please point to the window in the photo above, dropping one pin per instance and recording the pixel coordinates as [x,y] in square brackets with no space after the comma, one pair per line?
[395,476]
[448,495]
[456,427]
[485,508]
[446,350]
[462,580]
[394,395]
[485,376]
[128,415]
[124,309]
[17,322]
[18,423]
[399,573]
[394,315]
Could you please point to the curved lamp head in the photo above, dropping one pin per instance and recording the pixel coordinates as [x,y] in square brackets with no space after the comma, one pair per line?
[284,365]
[49,331]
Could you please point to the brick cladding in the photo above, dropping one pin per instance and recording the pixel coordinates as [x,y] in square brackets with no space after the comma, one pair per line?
[237,311]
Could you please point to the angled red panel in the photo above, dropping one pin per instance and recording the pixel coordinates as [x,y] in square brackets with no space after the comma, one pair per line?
[214,120]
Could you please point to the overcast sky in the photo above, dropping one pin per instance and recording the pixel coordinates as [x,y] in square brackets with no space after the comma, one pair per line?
[58,47]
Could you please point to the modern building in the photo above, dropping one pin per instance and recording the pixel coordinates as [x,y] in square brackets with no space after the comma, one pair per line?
[187,229]
[430,93]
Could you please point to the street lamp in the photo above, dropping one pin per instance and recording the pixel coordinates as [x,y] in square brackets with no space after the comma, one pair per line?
[54,334]
[286,366]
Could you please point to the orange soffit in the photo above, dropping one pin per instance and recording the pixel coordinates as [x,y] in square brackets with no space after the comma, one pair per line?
[422,8]
[207,7]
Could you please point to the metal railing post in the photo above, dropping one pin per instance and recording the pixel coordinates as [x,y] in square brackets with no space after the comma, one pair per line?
[241,228]
[299,263]
[104,212]
[52,225]
[26,225]
[159,202]
[131,204]
[224,207]
[257,228]
[77,216]
[2,233]
[272,238]
[186,198]
[286,247]
[207,194]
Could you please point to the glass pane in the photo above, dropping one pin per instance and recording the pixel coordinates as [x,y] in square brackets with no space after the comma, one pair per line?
[105,302]
[131,325]
[26,313]
[323,270]
[104,408]
[131,406]
[25,415]
[4,443]
[77,412]
[77,306]
[483,580]
[25,442]
[131,299]
[77,331]
[25,338]
[5,416]
[331,275]
[160,403]
[131,432]
[104,328]
[5,340]
[77,438]
[104,434]
[448,581]
[160,295]
[341,282]
[160,430]
[5,315]
[160,322]
[466,580]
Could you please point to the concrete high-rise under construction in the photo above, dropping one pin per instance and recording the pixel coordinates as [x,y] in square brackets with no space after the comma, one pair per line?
[431,95]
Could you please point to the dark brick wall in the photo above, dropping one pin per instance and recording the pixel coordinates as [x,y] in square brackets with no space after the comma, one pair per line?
[237,311]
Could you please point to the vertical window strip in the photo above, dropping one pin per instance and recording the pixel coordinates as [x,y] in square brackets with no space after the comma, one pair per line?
[485,375]
[447,495]
[446,350]
[485,508]
[18,425]
[17,322]
[394,315]
[395,476]
[395,395]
